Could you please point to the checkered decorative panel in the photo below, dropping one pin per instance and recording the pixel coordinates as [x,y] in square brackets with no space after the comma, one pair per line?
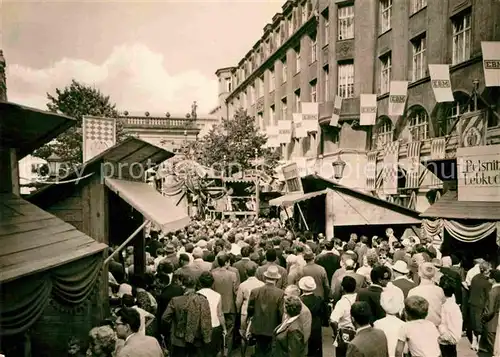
[413,169]
[99,134]
[391,168]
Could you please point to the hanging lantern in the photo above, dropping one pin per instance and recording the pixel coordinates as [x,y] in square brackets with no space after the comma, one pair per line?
[54,162]
[338,168]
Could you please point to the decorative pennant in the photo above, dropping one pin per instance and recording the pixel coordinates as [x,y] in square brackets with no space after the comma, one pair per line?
[99,134]
[337,107]
[397,97]
[298,123]
[371,172]
[391,168]
[368,109]
[413,169]
[440,82]
[491,63]
[284,131]
[310,116]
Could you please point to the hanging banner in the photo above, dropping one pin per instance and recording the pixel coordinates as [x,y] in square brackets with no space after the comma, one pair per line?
[479,173]
[99,134]
[397,97]
[298,124]
[491,63]
[391,168]
[273,136]
[413,169]
[371,172]
[310,116]
[438,148]
[368,109]
[441,83]
[292,178]
[472,129]
[284,131]
[337,107]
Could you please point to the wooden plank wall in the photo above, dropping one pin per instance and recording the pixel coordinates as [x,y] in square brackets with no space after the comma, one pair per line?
[69,210]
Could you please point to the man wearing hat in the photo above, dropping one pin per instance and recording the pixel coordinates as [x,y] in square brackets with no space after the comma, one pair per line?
[316,307]
[171,256]
[401,280]
[318,273]
[430,292]
[265,309]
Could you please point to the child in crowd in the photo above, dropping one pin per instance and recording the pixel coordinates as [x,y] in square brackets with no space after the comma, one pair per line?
[419,334]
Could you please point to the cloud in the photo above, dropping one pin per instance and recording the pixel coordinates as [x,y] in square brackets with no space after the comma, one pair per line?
[135,77]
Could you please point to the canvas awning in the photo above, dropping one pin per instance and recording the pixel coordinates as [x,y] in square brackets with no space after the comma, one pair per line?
[33,240]
[449,207]
[168,212]
[292,198]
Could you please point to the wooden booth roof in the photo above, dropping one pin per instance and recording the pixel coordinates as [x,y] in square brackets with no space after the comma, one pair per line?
[33,240]
[449,207]
[352,207]
[26,129]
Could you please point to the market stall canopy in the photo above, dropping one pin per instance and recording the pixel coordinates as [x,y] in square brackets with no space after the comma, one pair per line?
[34,241]
[26,129]
[449,207]
[292,198]
[354,207]
[169,212]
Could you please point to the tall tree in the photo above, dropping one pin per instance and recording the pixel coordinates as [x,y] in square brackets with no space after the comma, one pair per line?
[77,100]
[235,141]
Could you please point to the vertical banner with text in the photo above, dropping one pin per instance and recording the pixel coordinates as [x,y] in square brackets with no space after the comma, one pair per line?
[284,131]
[491,63]
[397,97]
[310,116]
[298,124]
[368,109]
[99,134]
[441,83]
[337,107]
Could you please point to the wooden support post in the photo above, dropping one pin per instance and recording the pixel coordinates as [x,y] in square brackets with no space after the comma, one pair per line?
[257,198]
[140,253]
[127,241]
[302,215]
[329,215]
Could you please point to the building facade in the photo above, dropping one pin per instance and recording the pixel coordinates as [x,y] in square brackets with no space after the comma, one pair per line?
[314,51]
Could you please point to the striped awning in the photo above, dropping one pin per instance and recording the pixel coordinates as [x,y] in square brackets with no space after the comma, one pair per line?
[292,198]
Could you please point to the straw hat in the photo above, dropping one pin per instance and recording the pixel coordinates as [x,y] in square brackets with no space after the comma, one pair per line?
[401,267]
[307,283]
[272,273]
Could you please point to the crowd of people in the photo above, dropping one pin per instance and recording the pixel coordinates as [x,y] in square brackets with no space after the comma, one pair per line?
[255,288]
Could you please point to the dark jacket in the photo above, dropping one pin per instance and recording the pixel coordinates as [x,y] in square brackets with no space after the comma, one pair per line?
[371,295]
[168,293]
[329,261]
[405,285]
[289,341]
[316,307]
[265,307]
[243,265]
[318,273]
[490,313]
[282,282]
[369,342]
[478,291]
[453,274]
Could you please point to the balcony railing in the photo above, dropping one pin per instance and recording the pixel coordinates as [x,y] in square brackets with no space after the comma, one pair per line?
[159,123]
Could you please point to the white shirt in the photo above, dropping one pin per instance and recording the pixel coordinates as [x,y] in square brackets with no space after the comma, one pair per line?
[244,290]
[451,322]
[421,336]
[341,314]
[472,273]
[434,296]
[391,326]
[214,299]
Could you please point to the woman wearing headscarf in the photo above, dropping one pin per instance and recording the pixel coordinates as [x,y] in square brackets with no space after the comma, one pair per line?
[288,337]
[316,306]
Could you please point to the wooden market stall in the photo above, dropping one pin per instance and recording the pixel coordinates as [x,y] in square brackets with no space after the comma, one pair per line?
[324,206]
[112,202]
[50,272]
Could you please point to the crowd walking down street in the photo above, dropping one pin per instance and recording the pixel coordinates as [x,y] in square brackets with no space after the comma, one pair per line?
[253,288]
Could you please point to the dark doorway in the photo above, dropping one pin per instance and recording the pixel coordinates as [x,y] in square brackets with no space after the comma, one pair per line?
[123,219]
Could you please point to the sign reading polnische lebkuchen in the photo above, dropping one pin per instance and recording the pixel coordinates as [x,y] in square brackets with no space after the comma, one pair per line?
[479,173]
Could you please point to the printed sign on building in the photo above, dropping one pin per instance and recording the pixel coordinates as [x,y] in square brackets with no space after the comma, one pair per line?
[479,173]
[299,129]
[310,116]
[99,134]
[440,82]
[397,97]
[337,107]
[368,109]
[292,178]
[491,63]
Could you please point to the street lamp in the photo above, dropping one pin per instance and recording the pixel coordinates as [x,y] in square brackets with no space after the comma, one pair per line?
[338,167]
[54,161]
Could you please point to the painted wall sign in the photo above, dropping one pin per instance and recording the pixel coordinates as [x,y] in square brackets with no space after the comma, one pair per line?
[479,173]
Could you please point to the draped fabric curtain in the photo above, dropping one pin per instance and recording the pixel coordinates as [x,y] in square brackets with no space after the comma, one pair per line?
[24,300]
[467,233]
[432,228]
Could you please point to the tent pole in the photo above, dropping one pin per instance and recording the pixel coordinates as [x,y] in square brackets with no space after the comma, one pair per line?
[127,241]
[302,215]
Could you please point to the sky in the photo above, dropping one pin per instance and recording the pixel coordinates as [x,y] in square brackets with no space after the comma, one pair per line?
[156,56]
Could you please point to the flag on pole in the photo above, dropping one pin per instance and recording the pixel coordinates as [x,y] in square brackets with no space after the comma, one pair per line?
[440,82]
[272,136]
[337,107]
[397,97]
[491,63]
[99,134]
[298,123]
[310,116]
[284,131]
[368,109]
